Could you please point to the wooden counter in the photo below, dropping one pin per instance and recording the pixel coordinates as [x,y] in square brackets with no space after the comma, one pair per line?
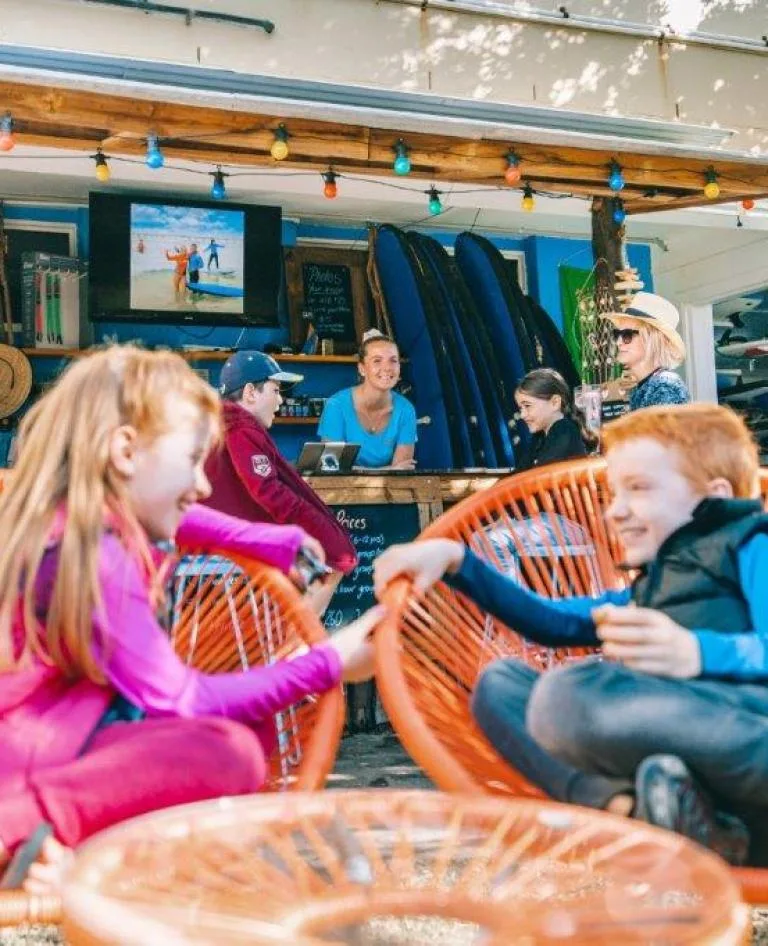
[435,490]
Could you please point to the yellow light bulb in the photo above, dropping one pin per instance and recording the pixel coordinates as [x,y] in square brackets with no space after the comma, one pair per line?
[279,149]
[528,203]
[711,190]
[102,173]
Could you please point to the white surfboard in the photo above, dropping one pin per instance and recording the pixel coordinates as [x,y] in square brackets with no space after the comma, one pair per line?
[752,348]
[721,310]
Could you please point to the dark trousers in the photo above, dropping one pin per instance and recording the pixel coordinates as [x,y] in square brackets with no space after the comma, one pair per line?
[579,732]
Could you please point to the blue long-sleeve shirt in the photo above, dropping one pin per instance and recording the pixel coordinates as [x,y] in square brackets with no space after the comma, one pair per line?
[568,622]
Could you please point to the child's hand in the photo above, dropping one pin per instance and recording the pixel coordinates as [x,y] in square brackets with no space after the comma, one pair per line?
[314,548]
[648,641]
[425,562]
[355,647]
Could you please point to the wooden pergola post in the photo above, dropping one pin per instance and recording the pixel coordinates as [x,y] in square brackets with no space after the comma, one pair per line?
[608,251]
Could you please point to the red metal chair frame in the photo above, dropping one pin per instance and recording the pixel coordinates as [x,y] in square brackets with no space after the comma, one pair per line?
[430,651]
[368,866]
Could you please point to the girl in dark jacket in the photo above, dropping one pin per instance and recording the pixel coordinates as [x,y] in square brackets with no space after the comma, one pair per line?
[546,407]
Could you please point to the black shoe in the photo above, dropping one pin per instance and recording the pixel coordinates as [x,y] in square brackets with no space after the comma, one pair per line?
[667,795]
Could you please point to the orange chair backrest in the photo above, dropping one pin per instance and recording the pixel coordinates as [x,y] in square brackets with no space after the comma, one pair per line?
[546,527]
[228,614]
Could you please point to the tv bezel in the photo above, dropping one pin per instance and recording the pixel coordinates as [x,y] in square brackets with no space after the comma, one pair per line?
[197,316]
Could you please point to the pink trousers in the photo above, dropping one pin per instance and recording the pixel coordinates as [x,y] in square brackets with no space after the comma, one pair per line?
[130,769]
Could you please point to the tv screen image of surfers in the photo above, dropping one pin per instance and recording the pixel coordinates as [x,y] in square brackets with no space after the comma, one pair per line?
[185,258]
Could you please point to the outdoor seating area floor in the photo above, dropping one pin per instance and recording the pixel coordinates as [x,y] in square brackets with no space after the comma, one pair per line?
[366,760]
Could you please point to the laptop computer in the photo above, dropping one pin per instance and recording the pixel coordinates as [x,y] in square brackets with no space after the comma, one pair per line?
[329,457]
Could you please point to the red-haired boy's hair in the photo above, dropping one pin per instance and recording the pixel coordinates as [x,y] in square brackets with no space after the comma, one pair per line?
[712,442]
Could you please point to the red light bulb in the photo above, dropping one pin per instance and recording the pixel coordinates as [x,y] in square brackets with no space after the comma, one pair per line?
[513,174]
[7,141]
[748,204]
[330,190]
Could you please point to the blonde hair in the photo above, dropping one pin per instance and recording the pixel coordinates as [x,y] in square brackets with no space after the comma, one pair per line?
[658,349]
[63,460]
[712,442]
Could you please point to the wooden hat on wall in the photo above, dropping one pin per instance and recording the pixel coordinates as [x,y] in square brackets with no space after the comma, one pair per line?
[15,379]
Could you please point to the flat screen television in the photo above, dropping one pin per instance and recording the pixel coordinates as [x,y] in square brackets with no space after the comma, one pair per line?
[159,259]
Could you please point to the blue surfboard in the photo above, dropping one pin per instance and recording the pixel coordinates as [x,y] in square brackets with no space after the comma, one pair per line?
[507,331]
[215,289]
[453,368]
[501,408]
[482,405]
[407,312]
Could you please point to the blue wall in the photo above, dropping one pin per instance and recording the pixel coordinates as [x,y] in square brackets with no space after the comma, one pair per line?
[543,256]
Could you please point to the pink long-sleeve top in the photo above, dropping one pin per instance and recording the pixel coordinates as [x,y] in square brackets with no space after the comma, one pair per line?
[47,718]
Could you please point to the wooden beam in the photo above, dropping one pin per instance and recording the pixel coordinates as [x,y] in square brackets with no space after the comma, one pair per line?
[694,200]
[66,118]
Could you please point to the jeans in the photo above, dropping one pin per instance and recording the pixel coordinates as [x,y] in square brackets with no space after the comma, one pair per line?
[579,732]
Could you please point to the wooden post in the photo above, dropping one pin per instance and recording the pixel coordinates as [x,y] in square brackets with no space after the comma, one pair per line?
[608,251]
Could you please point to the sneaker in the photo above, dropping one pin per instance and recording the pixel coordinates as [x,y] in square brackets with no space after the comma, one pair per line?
[667,795]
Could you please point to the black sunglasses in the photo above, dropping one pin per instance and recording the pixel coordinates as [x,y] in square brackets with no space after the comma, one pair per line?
[625,334]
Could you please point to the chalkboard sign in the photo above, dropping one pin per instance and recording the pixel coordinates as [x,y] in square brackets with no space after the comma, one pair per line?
[372,529]
[611,409]
[328,300]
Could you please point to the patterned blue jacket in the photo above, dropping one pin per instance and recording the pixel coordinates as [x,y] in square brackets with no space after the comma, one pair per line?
[660,387]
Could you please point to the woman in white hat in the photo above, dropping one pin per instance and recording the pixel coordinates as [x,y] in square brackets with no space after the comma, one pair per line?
[649,347]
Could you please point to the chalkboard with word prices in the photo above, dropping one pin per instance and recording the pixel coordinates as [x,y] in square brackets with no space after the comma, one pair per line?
[328,300]
[372,529]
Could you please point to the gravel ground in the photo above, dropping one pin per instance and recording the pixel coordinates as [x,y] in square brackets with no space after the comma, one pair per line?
[366,761]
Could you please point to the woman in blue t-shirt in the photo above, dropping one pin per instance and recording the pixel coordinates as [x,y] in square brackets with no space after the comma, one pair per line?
[372,414]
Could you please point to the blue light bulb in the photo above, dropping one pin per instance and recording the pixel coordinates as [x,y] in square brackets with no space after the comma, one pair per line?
[616,178]
[619,214]
[402,164]
[435,206]
[154,158]
[218,187]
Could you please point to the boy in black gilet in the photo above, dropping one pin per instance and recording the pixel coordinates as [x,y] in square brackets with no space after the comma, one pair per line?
[671,725]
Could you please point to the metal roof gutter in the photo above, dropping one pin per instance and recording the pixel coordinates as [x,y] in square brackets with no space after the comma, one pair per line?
[355,104]
[146,6]
[563,18]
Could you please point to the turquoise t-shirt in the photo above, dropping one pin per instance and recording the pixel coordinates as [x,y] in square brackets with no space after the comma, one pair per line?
[339,422]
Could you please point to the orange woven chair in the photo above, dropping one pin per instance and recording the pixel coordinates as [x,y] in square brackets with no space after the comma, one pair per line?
[227,614]
[545,526]
[375,867]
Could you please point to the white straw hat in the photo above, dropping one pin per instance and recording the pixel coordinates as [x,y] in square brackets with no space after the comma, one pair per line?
[654,311]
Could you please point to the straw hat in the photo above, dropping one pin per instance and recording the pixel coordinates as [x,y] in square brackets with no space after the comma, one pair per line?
[15,379]
[651,310]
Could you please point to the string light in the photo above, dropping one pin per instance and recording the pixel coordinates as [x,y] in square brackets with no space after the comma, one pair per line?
[435,204]
[739,224]
[280,149]
[402,165]
[218,187]
[7,140]
[615,177]
[154,158]
[619,213]
[103,172]
[747,204]
[513,171]
[711,187]
[331,188]
[529,201]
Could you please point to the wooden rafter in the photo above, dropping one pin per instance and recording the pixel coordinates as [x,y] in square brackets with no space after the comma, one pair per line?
[80,120]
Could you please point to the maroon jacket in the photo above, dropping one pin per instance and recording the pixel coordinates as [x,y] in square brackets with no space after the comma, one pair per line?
[250,479]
